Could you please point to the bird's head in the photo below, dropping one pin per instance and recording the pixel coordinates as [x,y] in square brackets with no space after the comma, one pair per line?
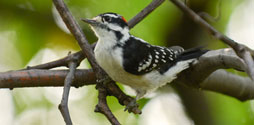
[108,23]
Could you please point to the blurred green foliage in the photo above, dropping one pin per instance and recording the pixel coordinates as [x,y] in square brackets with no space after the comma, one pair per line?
[35,28]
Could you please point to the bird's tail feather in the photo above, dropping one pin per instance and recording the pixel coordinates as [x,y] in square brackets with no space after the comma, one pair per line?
[192,53]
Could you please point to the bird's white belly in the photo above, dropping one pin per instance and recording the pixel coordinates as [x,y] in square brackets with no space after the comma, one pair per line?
[113,66]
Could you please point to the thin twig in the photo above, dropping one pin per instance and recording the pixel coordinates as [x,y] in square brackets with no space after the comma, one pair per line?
[241,50]
[61,62]
[102,105]
[63,106]
[146,11]
[207,16]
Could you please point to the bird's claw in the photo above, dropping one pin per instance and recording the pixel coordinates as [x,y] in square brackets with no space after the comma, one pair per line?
[132,105]
[105,79]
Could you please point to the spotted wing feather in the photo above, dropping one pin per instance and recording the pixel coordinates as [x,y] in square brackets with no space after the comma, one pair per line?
[140,57]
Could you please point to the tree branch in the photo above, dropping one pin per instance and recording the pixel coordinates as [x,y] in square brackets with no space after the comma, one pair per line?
[146,11]
[45,78]
[241,50]
[221,81]
[77,32]
[102,105]
[218,80]
[63,106]
[79,56]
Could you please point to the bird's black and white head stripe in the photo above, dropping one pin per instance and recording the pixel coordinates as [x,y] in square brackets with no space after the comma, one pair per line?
[113,18]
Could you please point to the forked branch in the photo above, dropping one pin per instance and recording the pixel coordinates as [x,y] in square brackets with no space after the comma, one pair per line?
[242,51]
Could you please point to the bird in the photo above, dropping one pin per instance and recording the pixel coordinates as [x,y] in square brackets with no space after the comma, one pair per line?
[134,62]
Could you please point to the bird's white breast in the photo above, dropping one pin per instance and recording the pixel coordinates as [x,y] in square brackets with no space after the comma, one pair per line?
[111,61]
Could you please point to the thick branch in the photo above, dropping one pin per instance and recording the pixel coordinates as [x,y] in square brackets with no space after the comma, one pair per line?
[221,81]
[205,75]
[210,62]
[44,78]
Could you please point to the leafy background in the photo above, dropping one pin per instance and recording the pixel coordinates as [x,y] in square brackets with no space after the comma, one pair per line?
[31,33]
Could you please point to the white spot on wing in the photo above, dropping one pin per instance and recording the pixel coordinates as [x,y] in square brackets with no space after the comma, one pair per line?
[163,60]
[150,56]
[139,69]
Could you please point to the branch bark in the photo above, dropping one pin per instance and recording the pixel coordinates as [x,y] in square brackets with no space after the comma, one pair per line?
[45,78]
[221,81]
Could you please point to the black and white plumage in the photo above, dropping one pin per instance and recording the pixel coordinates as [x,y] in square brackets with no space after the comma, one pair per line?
[131,60]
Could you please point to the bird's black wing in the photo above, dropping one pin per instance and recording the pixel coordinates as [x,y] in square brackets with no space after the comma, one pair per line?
[140,57]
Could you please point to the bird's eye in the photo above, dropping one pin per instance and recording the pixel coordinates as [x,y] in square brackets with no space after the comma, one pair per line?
[108,19]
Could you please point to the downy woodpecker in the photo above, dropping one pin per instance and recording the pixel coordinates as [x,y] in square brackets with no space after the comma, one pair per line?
[134,62]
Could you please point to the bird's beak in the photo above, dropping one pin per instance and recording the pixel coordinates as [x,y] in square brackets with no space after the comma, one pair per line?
[90,21]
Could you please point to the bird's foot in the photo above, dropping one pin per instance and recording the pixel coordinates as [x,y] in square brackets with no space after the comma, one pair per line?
[133,105]
[105,79]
